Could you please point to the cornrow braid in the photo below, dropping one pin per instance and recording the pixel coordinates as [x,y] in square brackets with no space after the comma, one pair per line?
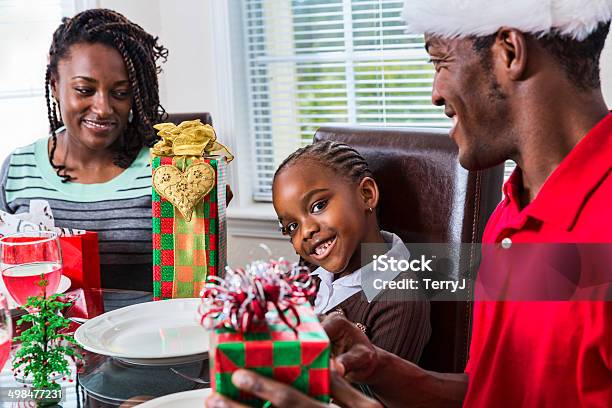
[54,123]
[341,157]
[140,52]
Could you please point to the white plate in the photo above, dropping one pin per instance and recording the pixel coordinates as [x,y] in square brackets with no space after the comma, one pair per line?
[166,329]
[185,399]
[63,286]
[164,361]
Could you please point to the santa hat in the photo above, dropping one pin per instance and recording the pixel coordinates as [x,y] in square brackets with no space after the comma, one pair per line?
[460,18]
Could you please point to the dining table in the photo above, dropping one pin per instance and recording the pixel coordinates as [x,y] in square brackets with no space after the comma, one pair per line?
[105,381]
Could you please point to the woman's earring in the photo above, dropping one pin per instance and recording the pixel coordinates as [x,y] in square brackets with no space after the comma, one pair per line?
[130,116]
[370,209]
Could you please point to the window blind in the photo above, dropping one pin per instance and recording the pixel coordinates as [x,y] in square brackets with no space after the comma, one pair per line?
[313,63]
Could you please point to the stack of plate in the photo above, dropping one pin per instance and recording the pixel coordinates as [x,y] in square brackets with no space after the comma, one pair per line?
[154,333]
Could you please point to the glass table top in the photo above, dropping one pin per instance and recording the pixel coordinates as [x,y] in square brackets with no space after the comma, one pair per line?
[106,381]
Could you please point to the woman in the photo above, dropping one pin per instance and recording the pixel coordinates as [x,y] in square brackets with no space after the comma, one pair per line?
[102,100]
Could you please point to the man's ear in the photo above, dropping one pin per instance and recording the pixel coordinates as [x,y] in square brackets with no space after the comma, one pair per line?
[510,48]
[368,189]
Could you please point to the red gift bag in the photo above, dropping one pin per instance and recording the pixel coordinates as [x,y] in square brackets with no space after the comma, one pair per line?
[86,303]
[81,260]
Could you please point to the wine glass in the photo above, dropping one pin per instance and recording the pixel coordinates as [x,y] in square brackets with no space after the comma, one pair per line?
[6,330]
[31,264]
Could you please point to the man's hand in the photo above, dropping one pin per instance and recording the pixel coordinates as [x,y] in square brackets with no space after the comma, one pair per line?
[352,349]
[282,395]
[396,382]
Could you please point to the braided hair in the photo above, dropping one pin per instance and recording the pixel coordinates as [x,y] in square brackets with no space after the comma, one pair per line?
[341,157]
[140,52]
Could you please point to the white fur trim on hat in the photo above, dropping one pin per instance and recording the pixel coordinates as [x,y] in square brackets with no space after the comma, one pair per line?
[461,18]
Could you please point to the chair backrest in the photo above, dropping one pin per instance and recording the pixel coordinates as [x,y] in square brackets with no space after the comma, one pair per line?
[177,118]
[426,196]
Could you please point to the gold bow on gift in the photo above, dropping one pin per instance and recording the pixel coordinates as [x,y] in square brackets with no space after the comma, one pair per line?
[190,140]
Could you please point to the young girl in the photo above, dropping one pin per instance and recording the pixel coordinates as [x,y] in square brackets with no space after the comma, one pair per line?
[325,198]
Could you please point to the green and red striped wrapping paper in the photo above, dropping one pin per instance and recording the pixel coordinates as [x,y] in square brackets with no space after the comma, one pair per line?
[184,252]
[276,352]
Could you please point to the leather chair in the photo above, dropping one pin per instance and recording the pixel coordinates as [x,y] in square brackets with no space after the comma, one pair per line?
[426,196]
[177,118]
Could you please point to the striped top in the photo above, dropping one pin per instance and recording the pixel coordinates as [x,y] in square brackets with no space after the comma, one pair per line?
[396,321]
[119,210]
[399,326]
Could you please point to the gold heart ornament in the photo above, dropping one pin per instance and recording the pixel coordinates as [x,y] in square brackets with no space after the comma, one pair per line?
[184,190]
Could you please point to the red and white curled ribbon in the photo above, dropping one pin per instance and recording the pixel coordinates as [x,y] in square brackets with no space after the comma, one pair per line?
[243,297]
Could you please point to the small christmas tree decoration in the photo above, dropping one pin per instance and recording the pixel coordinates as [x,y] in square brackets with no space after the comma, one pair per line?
[44,346]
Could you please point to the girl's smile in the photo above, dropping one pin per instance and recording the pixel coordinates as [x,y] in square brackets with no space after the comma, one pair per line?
[323,249]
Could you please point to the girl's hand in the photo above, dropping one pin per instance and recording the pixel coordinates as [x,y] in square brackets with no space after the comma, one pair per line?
[281,395]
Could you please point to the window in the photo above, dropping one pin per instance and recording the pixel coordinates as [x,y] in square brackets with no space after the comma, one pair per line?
[312,63]
[26,28]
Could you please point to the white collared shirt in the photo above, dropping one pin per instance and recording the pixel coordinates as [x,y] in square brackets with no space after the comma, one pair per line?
[333,292]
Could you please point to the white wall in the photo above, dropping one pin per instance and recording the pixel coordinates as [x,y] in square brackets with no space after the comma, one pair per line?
[185,28]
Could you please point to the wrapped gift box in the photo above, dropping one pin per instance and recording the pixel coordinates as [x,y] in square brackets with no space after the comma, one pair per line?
[189,226]
[186,252]
[299,358]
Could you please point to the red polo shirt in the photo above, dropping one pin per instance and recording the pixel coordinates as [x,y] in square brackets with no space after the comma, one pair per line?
[549,354]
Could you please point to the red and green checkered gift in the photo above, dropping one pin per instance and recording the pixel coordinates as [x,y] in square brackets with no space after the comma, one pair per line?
[189,230]
[260,321]
[275,351]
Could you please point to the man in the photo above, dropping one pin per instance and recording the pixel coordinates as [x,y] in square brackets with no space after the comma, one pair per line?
[521,81]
